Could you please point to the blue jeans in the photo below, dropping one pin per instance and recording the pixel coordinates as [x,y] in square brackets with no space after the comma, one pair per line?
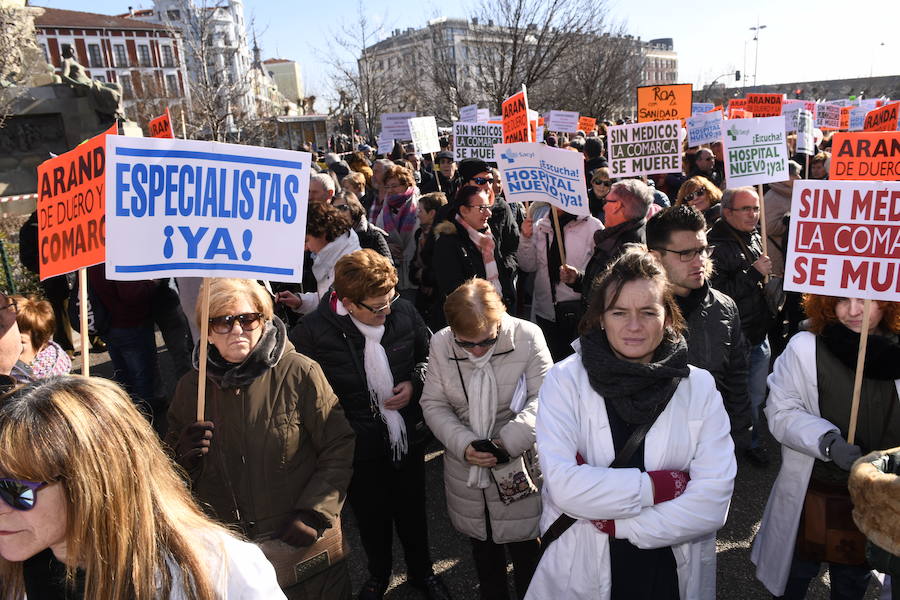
[133,354]
[848,582]
[756,385]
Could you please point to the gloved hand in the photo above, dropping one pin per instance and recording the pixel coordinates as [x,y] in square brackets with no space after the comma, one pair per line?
[841,453]
[741,439]
[193,444]
[297,532]
[607,526]
[668,485]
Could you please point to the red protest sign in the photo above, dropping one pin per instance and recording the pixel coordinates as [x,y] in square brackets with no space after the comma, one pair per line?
[739,113]
[764,105]
[515,118]
[845,118]
[871,155]
[71,208]
[586,124]
[882,119]
[735,103]
[161,127]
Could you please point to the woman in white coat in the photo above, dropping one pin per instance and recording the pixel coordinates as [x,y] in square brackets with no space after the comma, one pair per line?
[808,410]
[484,373]
[642,521]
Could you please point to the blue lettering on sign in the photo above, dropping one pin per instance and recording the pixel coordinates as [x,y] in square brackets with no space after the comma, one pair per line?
[559,184]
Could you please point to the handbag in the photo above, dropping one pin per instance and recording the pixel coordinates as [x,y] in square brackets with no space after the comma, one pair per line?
[568,313]
[827,532]
[295,565]
[513,480]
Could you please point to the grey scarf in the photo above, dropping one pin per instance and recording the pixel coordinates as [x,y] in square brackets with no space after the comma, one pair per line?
[262,357]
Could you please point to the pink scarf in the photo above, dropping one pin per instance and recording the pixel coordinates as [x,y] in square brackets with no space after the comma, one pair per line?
[485,243]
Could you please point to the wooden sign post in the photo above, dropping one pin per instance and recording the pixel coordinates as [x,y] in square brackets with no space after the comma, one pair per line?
[83,321]
[860,364]
[204,348]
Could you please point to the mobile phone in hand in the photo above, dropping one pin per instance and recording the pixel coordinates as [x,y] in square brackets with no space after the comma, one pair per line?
[490,447]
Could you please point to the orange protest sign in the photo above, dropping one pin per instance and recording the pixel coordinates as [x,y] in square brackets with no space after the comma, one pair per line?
[515,118]
[739,113]
[866,155]
[664,102]
[71,208]
[882,119]
[715,108]
[586,124]
[845,118]
[734,103]
[541,122]
[764,105]
[161,127]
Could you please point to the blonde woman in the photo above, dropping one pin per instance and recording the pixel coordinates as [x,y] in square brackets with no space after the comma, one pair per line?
[95,509]
[699,192]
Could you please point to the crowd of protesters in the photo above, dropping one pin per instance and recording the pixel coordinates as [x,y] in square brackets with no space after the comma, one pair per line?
[594,394]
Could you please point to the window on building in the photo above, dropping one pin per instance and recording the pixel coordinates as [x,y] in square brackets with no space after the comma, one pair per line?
[144,55]
[172,86]
[121,56]
[127,89]
[46,52]
[173,15]
[168,56]
[96,57]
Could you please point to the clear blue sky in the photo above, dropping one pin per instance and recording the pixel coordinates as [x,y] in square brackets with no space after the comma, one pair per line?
[802,40]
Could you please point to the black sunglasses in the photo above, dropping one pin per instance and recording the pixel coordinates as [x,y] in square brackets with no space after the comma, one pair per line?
[695,194]
[482,344]
[482,180]
[20,494]
[605,182]
[225,323]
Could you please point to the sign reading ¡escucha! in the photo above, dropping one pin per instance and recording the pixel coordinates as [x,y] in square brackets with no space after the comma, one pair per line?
[755,151]
[537,172]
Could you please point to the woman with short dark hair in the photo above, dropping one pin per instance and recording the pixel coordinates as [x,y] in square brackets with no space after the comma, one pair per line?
[369,236]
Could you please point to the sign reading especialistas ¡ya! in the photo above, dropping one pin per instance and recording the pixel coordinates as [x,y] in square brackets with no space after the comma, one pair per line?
[845,239]
[539,173]
[755,151]
[476,140]
[644,148]
[204,209]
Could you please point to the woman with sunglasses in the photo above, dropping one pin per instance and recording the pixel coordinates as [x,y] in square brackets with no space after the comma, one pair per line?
[91,506]
[601,183]
[369,235]
[480,400]
[699,192]
[273,455]
[373,347]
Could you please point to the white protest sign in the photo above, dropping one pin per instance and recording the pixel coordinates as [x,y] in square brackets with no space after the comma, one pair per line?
[828,115]
[539,173]
[858,118]
[701,107]
[562,120]
[396,125]
[644,148]
[704,128]
[845,239]
[424,134]
[204,209]
[755,151]
[484,115]
[468,114]
[791,114]
[805,142]
[540,133]
[476,140]
[385,144]
[869,103]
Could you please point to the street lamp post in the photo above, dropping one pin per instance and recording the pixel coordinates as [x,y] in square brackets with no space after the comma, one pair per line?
[756,31]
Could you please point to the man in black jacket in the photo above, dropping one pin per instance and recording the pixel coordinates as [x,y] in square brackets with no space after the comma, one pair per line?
[677,237]
[425,181]
[740,271]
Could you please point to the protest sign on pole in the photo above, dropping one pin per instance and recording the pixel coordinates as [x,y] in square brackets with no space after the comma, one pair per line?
[161,127]
[396,125]
[739,113]
[515,118]
[701,107]
[858,118]
[562,120]
[469,114]
[791,114]
[424,135]
[587,124]
[538,173]
[764,105]
[204,209]
[845,118]
[828,116]
[704,128]
[664,102]
[736,103]
[534,118]
[805,142]
[483,115]
[385,143]
[755,151]
[869,155]
[882,119]
[539,134]
[644,148]
[476,140]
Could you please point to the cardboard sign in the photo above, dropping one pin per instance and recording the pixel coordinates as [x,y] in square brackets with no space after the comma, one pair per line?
[739,113]
[539,173]
[644,148]
[476,140]
[701,107]
[469,114]
[828,116]
[161,127]
[736,103]
[845,118]
[515,118]
[765,105]
[755,151]
[396,125]
[858,118]
[385,144]
[587,124]
[882,119]
[791,114]
[204,209]
[845,239]
[664,102]
[562,120]
[704,128]
[72,209]
[866,155]
[424,134]
[484,115]
[806,143]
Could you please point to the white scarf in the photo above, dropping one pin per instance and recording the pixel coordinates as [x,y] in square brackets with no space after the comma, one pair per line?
[482,392]
[381,384]
[323,264]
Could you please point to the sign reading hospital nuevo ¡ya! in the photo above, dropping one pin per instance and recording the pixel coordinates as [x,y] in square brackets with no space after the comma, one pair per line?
[204,209]
[845,239]
[664,102]
[424,135]
[644,148]
[476,140]
[704,128]
[70,206]
[396,125]
[515,118]
[540,173]
[755,151]
[866,155]
[161,127]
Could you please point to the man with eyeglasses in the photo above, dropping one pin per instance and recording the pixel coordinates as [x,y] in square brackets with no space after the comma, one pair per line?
[10,341]
[677,237]
[705,165]
[741,270]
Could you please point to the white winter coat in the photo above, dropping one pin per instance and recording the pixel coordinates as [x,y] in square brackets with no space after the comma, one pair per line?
[520,351]
[532,256]
[792,411]
[691,434]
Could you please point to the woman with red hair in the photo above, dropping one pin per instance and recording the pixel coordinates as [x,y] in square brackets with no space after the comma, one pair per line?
[808,517]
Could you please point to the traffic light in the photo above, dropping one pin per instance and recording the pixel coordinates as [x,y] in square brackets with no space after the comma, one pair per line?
[737,75]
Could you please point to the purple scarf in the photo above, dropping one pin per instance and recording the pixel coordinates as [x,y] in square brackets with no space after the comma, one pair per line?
[399,213]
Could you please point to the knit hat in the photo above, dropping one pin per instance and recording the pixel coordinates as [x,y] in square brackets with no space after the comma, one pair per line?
[470,167]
